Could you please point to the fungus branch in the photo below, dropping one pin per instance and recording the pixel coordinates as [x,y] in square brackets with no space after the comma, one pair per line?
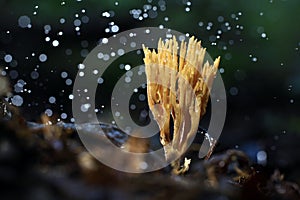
[178,87]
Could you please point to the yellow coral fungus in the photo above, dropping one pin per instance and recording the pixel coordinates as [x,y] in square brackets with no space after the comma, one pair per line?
[178,87]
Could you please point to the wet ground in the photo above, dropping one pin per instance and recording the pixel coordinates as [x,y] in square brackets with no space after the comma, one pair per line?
[42,161]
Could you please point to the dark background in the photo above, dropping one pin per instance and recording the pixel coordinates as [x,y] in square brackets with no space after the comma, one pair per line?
[258,44]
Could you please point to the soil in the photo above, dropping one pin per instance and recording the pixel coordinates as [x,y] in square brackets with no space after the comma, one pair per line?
[50,162]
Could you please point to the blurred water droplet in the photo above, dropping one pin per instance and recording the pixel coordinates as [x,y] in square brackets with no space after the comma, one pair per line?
[85,107]
[69,81]
[233,91]
[55,43]
[127,67]
[81,66]
[34,75]
[17,100]
[261,157]
[142,97]
[100,80]
[43,57]
[8,58]
[62,20]
[105,14]
[77,22]
[52,99]
[127,79]
[24,21]
[47,29]
[132,107]
[63,116]
[114,28]
[104,40]
[117,114]
[64,74]
[49,112]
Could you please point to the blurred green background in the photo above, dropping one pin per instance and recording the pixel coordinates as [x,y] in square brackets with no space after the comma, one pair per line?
[258,42]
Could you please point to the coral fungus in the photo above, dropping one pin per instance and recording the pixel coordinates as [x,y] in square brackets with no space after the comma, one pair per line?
[178,88]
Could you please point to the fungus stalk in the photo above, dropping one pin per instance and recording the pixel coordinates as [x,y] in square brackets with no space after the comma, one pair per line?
[178,87]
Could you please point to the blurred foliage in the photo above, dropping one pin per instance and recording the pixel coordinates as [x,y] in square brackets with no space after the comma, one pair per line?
[268,90]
